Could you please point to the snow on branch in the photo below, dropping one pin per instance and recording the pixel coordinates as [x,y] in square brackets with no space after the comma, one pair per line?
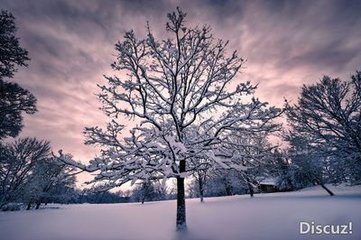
[183,94]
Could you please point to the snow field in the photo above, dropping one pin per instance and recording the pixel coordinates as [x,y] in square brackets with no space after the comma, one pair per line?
[266,216]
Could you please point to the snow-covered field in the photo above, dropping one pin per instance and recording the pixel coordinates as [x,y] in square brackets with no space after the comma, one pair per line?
[266,216]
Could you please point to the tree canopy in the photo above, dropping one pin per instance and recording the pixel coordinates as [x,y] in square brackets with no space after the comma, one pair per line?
[328,118]
[185,102]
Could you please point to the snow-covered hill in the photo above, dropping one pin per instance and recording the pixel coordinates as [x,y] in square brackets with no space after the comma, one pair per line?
[266,216]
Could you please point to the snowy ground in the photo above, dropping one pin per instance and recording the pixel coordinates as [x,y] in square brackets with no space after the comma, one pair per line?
[267,216]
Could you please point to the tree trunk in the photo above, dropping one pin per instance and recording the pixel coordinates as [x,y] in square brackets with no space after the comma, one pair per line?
[143,199]
[229,189]
[29,206]
[181,203]
[38,203]
[324,187]
[327,190]
[250,188]
[201,188]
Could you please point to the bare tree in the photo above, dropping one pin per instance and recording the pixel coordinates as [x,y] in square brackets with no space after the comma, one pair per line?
[47,175]
[149,191]
[17,161]
[200,176]
[328,115]
[307,165]
[183,97]
[253,152]
[143,191]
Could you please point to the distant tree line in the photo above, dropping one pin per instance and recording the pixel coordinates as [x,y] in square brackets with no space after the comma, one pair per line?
[140,192]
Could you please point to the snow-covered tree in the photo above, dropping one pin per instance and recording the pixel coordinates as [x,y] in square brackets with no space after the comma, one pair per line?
[302,166]
[218,182]
[149,191]
[47,176]
[200,177]
[328,116]
[184,99]
[144,190]
[283,170]
[17,162]
[254,153]
[252,156]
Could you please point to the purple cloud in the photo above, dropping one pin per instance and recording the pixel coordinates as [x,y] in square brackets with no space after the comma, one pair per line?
[71,45]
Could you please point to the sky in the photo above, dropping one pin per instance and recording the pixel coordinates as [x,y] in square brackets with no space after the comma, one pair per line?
[71,45]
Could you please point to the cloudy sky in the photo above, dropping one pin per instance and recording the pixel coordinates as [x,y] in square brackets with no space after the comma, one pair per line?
[71,45]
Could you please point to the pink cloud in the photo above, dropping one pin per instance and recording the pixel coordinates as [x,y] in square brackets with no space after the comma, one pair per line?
[71,44]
